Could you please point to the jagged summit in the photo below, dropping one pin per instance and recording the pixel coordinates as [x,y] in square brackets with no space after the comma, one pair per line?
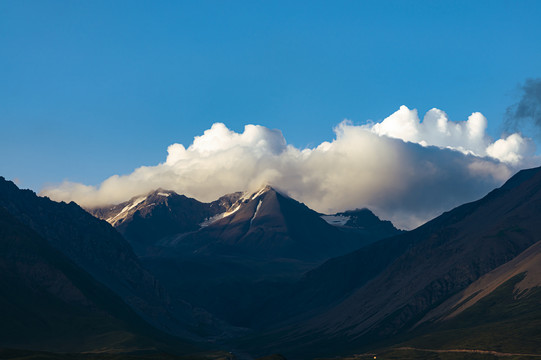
[243,198]
[250,194]
[362,221]
[162,192]
[262,220]
[349,217]
[267,224]
[145,203]
[243,202]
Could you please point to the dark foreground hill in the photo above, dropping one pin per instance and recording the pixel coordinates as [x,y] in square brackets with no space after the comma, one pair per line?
[57,257]
[48,302]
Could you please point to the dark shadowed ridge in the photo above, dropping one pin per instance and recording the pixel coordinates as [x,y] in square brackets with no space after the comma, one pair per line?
[100,250]
[49,303]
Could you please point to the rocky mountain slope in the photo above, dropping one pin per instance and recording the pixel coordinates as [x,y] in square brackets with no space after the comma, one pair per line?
[146,219]
[384,289]
[526,266]
[268,224]
[502,318]
[266,220]
[363,222]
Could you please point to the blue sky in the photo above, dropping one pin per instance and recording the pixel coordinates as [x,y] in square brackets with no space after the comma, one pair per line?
[96,88]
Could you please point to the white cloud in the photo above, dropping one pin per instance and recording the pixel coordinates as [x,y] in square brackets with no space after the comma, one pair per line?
[512,149]
[404,169]
[467,136]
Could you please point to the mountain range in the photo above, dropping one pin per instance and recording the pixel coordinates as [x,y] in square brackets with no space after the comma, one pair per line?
[263,224]
[258,272]
[397,285]
[238,246]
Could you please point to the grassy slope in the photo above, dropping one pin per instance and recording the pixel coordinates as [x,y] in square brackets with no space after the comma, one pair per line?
[503,321]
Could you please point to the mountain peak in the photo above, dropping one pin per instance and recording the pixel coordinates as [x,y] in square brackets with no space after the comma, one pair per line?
[251,195]
[235,206]
[162,192]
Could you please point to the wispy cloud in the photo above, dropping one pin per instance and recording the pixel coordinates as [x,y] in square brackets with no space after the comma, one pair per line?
[404,169]
[527,111]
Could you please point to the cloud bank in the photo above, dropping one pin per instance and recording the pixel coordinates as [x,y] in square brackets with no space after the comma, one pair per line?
[404,169]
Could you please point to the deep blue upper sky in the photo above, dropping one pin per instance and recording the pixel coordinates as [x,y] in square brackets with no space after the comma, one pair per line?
[96,88]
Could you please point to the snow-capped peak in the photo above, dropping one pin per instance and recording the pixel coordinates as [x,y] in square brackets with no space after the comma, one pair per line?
[246,197]
[215,218]
[339,220]
[162,192]
[125,210]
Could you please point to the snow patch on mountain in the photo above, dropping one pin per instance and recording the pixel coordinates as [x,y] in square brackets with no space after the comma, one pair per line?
[125,210]
[256,211]
[337,220]
[245,198]
[215,218]
[249,195]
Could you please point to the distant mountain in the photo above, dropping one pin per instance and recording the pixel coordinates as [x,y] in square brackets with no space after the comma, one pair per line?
[145,219]
[384,289]
[242,246]
[97,248]
[264,223]
[49,303]
[363,222]
[268,224]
